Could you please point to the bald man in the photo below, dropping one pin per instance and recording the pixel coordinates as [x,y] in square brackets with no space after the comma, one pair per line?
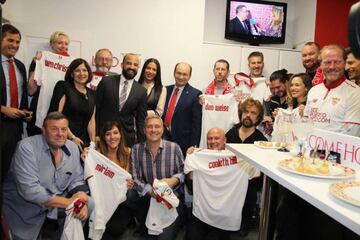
[182,115]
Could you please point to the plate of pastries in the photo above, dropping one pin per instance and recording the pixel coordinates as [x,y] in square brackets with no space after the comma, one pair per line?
[315,167]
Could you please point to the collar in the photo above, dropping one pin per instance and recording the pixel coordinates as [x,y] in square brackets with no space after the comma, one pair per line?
[122,79]
[334,84]
[243,77]
[46,147]
[5,58]
[161,146]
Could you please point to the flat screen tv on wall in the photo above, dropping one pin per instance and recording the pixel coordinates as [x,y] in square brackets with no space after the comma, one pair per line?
[255,22]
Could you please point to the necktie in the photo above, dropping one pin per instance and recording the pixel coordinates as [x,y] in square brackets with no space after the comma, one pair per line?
[123,94]
[171,107]
[14,101]
[245,26]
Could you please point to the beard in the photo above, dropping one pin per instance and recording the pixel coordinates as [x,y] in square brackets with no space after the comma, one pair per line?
[103,69]
[129,73]
[247,123]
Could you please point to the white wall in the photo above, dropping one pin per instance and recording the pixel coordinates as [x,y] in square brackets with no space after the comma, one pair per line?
[171,31]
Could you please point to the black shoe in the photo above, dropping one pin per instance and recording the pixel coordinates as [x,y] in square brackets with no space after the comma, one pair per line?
[244,231]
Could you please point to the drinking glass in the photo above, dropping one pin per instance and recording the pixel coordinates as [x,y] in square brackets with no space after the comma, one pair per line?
[284,126]
[302,127]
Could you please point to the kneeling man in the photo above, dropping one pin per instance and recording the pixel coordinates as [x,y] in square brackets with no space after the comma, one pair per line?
[45,176]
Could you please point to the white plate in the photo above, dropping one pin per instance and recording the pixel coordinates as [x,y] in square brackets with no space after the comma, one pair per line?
[347,191]
[337,171]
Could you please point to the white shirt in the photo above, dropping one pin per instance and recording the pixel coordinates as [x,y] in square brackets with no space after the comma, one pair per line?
[129,85]
[219,111]
[94,81]
[50,69]
[337,109]
[159,215]
[260,91]
[220,182]
[73,228]
[19,80]
[107,182]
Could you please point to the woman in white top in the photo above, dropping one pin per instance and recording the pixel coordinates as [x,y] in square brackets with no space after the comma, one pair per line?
[150,78]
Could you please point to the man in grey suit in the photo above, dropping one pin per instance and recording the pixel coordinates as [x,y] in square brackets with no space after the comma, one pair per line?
[120,98]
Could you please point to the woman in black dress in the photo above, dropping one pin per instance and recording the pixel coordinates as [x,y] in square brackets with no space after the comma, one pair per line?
[77,102]
[150,78]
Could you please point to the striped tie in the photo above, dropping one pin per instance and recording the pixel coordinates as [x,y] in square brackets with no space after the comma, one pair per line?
[123,94]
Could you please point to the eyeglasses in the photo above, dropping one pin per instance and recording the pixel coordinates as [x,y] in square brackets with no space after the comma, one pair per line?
[336,62]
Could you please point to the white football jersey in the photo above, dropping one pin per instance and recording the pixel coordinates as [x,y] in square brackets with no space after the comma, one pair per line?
[50,69]
[108,186]
[94,81]
[162,212]
[337,109]
[220,182]
[219,111]
[257,89]
[73,228]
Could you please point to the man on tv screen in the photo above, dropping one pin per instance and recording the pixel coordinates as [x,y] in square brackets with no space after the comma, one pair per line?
[240,24]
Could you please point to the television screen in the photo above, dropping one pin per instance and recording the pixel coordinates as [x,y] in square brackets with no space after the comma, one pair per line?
[255,21]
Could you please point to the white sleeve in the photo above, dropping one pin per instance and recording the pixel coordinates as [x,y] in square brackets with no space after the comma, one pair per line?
[352,115]
[38,71]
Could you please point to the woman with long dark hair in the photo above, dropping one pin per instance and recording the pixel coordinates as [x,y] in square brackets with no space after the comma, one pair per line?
[150,78]
[111,143]
[76,102]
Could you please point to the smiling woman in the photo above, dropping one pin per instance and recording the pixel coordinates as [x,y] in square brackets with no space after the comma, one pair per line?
[77,102]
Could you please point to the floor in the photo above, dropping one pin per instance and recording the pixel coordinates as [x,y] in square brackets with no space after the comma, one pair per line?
[253,235]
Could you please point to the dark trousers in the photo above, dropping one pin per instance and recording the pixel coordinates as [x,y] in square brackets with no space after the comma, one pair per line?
[198,230]
[170,232]
[120,219]
[296,219]
[254,187]
[10,135]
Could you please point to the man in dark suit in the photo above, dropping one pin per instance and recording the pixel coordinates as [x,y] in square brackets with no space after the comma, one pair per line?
[182,115]
[14,102]
[120,98]
[240,24]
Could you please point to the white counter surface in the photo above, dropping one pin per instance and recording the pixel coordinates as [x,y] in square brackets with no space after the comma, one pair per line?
[313,190]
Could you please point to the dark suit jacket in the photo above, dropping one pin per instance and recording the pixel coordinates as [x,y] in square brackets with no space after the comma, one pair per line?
[24,100]
[236,27]
[133,111]
[186,119]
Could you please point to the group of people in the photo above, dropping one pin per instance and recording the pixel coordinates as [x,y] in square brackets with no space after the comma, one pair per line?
[151,131]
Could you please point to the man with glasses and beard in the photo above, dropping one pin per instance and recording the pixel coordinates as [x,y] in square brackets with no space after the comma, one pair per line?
[251,114]
[120,98]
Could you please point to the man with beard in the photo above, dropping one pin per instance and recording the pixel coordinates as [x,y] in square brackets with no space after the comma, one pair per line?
[220,85]
[103,63]
[278,88]
[250,114]
[334,104]
[120,98]
[310,57]
[352,67]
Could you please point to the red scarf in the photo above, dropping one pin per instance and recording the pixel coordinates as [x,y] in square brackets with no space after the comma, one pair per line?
[159,198]
[242,77]
[318,78]
[210,90]
[63,54]
[98,73]
[335,84]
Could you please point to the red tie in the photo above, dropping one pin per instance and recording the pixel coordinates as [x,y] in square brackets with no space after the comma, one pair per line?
[171,107]
[13,85]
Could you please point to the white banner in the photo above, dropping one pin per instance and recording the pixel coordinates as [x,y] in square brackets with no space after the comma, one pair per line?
[348,146]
